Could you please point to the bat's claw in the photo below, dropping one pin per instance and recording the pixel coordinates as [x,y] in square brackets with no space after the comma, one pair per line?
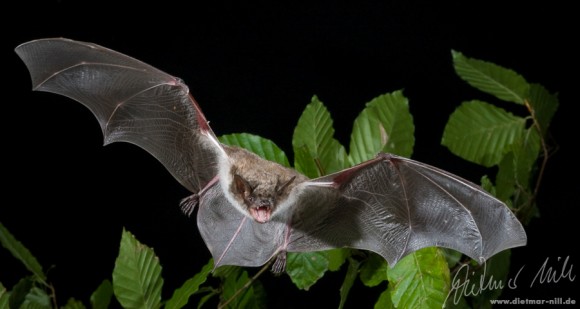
[188,204]
[279,265]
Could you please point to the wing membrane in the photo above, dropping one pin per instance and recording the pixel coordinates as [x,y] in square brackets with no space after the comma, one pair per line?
[133,102]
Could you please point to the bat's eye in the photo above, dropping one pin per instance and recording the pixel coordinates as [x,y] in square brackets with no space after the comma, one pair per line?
[251,199]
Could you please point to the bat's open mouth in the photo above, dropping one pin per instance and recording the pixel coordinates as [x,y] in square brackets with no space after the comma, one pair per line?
[261,213]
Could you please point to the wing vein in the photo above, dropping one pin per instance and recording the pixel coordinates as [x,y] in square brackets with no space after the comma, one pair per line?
[479,234]
[130,98]
[84,64]
[404,187]
[227,248]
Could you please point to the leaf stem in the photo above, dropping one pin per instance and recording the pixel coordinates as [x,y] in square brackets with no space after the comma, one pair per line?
[52,295]
[528,206]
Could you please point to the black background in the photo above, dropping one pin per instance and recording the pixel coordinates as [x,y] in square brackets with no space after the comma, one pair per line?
[253,68]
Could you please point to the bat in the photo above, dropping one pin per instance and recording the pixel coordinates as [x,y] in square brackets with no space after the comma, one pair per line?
[250,210]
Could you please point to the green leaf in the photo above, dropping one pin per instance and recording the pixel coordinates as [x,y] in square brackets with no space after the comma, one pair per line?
[349,278]
[337,257]
[373,270]
[480,132]
[206,298]
[505,179]
[494,272]
[234,279]
[317,153]
[384,125]
[503,83]
[544,105]
[459,303]
[499,191]
[420,280]
[451,256]
[181,295]
[37,299]
[305,268]
[137,277]
[487,185]
[4,297]
[258,300]
[384,301]
[33,305]
[21,253]
[517,166]
[101,297]
[74,304]
[19,292]
[526,151]
[263,147]
[225,271]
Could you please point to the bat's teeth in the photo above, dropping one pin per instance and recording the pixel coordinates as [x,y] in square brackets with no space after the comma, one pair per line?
[261,214]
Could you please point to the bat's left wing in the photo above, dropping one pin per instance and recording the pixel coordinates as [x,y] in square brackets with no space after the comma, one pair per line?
[394,206]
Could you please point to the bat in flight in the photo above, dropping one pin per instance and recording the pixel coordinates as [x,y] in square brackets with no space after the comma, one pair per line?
[250,210]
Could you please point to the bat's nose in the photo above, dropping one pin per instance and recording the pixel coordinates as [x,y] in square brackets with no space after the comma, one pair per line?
[264,203]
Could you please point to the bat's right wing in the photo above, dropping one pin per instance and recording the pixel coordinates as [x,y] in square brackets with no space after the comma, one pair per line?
[133,102]
[394,206]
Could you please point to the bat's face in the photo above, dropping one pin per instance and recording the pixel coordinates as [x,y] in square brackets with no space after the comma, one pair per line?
[256,187]
[261,198]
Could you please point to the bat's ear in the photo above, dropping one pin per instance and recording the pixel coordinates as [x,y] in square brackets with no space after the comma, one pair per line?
[242,186]
[280,189]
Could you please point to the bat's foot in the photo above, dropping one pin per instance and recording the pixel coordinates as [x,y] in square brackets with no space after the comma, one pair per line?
[279,265]
[188,204]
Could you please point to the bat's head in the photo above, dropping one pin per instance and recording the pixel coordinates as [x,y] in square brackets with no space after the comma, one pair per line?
[261,199]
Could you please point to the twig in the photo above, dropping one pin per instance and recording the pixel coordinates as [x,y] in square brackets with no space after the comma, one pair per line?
[545,153]
[52,295]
